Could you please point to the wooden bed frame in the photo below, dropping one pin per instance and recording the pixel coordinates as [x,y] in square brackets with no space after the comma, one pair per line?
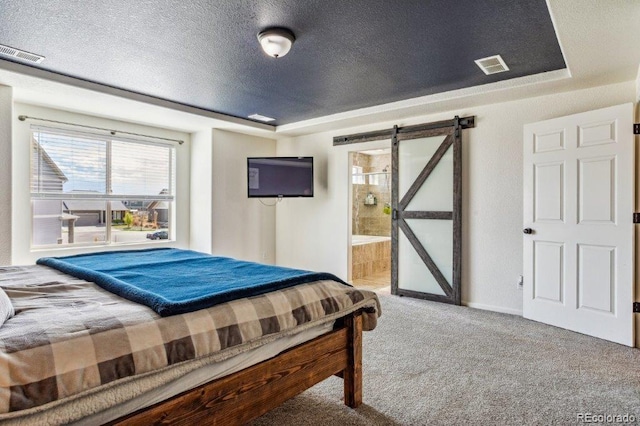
[240,397]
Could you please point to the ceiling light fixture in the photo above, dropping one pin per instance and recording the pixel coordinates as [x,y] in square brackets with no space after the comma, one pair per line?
[276,42]
[260,117]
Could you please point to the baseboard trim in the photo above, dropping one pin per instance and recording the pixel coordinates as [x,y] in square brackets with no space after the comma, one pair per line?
[493,308]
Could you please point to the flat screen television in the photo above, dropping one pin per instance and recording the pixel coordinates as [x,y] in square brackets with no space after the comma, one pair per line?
[278,177]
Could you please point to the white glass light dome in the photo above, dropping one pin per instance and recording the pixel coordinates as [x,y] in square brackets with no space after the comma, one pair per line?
[276,42]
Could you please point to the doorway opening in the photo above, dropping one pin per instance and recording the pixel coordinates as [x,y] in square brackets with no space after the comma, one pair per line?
[371,218]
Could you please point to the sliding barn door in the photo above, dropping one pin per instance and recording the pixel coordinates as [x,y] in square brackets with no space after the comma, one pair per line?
[426,222]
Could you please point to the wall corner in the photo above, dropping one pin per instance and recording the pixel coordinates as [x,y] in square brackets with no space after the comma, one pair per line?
[201,192]
[6,119]
[637,100]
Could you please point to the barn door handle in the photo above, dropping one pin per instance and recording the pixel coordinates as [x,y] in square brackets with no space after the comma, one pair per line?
[527,231]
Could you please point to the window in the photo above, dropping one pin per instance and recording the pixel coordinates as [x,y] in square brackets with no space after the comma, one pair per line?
[357,177]
[95,190]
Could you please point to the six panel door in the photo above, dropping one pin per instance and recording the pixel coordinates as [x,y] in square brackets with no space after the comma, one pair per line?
[578,205]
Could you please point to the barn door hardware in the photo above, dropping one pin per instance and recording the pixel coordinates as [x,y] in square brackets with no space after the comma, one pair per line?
[378,135]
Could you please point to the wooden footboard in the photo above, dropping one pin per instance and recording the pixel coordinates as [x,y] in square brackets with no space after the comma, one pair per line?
[249,393]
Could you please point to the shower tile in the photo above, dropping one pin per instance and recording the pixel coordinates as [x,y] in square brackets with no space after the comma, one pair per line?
[357,271]
[385,249]
[369,252]
[368,268]
[381,265]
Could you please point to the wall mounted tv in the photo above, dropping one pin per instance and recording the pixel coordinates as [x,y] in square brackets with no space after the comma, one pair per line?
[278,177]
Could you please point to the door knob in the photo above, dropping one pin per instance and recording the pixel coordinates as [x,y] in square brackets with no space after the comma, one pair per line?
[527,231]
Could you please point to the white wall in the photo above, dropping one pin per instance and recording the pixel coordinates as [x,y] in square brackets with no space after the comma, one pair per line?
[201,172]
[243,227]
[638,86]
[21,203]
[312,233]
[637,206]
[6,120]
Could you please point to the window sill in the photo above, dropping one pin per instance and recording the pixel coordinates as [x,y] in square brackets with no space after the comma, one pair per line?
[100,247]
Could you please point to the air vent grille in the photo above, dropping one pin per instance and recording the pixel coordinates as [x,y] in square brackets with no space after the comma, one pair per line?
[19,54]
[7,50]
[492,64]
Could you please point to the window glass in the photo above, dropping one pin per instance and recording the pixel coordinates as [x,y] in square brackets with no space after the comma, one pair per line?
[91,190]
[63,163]
[357,177]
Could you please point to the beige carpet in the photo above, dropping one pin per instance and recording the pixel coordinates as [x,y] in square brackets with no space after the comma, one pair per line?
[434,364]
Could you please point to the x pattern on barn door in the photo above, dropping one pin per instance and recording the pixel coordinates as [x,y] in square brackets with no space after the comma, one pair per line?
[426,230]
[426,234]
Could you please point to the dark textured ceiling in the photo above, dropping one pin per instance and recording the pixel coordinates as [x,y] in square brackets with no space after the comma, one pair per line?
[348,54]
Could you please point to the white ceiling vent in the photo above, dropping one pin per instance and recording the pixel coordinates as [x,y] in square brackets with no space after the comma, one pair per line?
[492,64]
[20,54]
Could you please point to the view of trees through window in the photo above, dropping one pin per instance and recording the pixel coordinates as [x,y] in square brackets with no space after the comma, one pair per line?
[88,189]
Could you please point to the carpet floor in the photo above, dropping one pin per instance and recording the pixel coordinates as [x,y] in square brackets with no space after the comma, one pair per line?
[434,364]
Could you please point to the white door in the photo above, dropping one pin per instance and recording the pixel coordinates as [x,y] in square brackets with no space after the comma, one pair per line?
[578,207]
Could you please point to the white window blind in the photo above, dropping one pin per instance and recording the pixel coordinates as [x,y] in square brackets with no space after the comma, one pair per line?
[116,177]
[84,160]
[140,169]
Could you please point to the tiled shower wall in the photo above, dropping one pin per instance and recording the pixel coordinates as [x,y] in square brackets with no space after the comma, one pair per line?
[371,258]
[366,219]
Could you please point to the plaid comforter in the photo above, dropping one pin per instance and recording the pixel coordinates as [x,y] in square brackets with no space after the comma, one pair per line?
[69,337]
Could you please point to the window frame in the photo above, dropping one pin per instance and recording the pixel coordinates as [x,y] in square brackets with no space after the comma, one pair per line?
[107,196]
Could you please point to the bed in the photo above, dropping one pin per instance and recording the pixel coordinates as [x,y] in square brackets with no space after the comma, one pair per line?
[76,353]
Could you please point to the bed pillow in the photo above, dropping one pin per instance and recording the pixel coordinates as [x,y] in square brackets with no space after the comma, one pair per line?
[6,308]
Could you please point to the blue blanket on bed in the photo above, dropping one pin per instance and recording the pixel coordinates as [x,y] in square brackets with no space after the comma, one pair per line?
[174,281]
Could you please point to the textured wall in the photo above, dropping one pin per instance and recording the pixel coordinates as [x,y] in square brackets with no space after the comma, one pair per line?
[6,117]
[492,203]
